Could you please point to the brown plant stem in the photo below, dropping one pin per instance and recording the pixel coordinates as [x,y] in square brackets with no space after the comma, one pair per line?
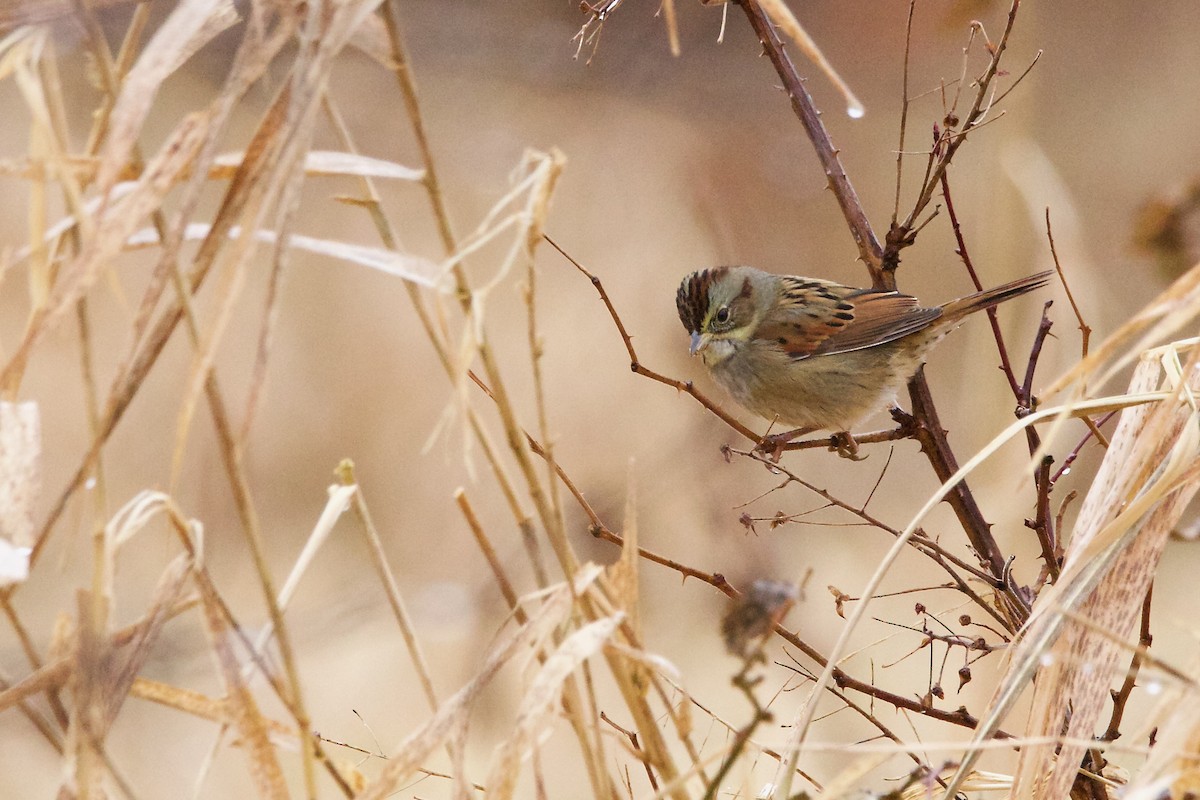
[882,264]
[1121,696]
[1043,523]
[869,249]
[718,581]
[932,438]
[993,319]
[636,366]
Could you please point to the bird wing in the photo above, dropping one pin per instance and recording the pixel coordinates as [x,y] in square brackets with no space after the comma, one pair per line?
[816,318]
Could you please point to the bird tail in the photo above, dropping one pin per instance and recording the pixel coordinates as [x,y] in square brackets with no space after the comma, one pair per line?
[956,309]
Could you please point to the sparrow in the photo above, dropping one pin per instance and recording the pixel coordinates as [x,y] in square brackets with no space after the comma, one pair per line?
[814,354]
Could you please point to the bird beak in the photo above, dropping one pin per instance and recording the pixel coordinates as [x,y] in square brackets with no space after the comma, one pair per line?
[699,342]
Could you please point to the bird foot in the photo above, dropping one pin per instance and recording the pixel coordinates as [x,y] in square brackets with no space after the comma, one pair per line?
[773,445]
[844,445]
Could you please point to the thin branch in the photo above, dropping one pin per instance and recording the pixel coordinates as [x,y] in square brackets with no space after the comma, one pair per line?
[993,318]
[1043,523]
[904,100]
[636,366]
[1085,331]
[1093,429]
[869,248]
[1121,696]
[897,237]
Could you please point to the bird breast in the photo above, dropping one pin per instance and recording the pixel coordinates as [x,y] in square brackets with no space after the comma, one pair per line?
[821,392]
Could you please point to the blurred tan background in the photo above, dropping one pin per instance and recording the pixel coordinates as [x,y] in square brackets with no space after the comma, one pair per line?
[673,164]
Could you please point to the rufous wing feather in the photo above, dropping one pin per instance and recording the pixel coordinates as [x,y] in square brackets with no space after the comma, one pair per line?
[820,318]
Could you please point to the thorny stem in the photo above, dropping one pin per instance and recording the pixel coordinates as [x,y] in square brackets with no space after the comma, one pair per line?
[1043,524]
[718,581]
[636,366]
[1093,429]
[881,264]
[869,249]
[921,542]
[961,250]
[637,748]
[1121,696]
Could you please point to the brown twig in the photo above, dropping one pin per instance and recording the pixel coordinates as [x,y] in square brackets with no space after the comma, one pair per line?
[636,366]
[869,248]
[1085,331]
[1043,523]
[904,100]
[1121,696]
[637,748]
[961,251]
[718,581]
[899,236]
[1074,454]
[834,442]
[922,543]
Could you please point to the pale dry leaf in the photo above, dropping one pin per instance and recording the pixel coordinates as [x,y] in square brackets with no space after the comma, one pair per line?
[20,485]
[624,572]
[337,505]
[556,607]
[418,270]
[121,670]
[191,25]
[372,39]
[248,720]
[200,705]
[329,163]
[782,16]
[540,700]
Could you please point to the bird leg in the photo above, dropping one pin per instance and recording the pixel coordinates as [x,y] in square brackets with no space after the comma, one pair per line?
[844,445]
[773,445]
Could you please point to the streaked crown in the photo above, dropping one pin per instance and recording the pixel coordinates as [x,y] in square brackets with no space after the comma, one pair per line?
[692,298]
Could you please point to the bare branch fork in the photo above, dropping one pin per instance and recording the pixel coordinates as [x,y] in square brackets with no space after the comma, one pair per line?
[881,262]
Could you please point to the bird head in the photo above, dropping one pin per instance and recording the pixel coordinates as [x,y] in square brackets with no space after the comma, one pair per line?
[721,308]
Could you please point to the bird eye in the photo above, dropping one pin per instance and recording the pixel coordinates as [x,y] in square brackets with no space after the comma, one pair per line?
[723,315]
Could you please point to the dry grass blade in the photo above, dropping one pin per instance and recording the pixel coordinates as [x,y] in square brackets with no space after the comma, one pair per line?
[104,668]
[335,507]
[540,700]
[191,25]
[782,16]
[329,163]
[20,483]
[555,609]
[252,727]
[118,220]
[1148,475]
[416,269]
[1162,318]
[388,578]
